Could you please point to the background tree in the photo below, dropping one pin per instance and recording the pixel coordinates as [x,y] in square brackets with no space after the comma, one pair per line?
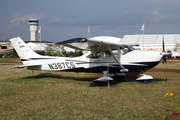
[48,50]
[52,51]
[15,53]
[176,48]
[77,53]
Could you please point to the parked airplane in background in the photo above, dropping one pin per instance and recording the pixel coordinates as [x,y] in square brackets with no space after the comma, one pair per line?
[105,55]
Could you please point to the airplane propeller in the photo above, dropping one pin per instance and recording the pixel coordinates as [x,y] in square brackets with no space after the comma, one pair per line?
[164,53]
[164,57]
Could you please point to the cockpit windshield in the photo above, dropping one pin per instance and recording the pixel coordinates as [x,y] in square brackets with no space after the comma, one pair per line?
[126,49]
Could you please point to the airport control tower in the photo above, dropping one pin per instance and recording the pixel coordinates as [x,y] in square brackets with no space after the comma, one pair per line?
[33,24]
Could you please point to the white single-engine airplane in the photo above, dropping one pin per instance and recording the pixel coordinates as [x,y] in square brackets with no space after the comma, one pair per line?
[106,54]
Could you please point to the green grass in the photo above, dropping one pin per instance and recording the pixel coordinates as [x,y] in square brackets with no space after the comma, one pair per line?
[67,95]
[10,59]
[171,64]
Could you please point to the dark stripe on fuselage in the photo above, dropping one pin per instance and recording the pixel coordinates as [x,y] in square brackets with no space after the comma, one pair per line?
[115,68]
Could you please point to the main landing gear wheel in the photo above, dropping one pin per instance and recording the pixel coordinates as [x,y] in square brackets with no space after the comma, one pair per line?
[104,80]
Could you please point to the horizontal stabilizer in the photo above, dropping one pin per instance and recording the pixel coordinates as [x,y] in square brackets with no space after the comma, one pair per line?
[17,67]
[35,65]
[26,66]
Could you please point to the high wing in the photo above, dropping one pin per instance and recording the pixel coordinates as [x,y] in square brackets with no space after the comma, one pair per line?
[95,44]
[98,44]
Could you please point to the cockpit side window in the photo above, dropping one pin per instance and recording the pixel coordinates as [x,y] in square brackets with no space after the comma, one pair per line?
[104,54]
[94,55]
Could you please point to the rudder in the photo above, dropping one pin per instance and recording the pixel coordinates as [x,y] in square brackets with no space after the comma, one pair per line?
[22,49]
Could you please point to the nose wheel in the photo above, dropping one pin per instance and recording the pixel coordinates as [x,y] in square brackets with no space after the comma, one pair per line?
[144,78]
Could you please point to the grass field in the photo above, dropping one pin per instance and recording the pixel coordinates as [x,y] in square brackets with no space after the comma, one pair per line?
[10,59]
[66,95]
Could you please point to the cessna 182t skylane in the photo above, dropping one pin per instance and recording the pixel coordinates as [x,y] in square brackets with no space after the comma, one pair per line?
[104,51]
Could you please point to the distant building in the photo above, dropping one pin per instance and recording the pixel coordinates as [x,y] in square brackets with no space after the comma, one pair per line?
[37,45]
[5,49]
[33,26]
[154,41]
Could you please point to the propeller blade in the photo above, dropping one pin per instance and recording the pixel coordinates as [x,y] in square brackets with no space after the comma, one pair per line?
[164,57]
[163,43]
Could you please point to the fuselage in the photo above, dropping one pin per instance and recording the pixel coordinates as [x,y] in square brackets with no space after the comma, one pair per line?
[135,60]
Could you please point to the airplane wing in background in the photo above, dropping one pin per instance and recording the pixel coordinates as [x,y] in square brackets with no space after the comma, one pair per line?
[75,43]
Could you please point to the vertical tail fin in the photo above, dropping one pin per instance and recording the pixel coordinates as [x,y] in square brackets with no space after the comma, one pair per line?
[22,49]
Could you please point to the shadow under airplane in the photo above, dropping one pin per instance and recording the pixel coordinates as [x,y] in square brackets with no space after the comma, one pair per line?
[113,83]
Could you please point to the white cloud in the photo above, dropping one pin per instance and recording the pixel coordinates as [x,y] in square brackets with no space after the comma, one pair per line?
[155,12]
[137,17]
[55,20]
[79,30]
[157,16]
[16,22]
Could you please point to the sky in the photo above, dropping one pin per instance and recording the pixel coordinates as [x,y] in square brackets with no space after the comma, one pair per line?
[65,19]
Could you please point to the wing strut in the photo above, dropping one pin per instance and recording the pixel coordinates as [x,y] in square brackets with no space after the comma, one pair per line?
[118,61]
